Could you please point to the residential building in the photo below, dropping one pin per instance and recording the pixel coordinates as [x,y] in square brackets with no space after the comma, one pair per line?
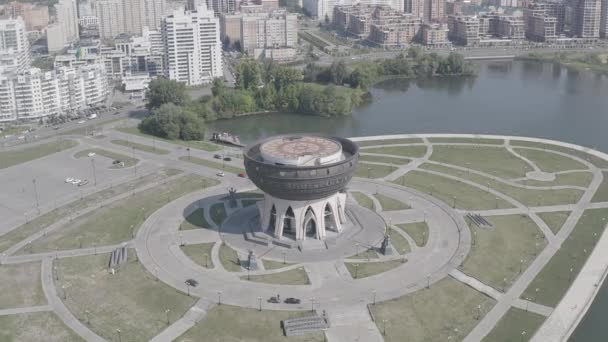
[587,16]
[142,54]
[435,34]
[464,30]
[193,50]
[230,27]
[35,17]
[502,26]
[541,28]
[64,30]
[434,10]
[116,17]
[604,20]
[110,18]
[14,46]
[324,9]
[415,7]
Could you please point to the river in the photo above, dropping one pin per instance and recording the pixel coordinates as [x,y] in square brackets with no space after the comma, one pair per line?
[514,98]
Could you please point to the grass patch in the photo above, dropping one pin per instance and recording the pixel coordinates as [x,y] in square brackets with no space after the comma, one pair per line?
[35,326]
[366,170]
[118,221]
[498,253]
[555,220]
[273,265]
[399,242]
[550,162]
[389,142]
[41,222]
[128,161]
[140,147]
[529,197]
[232,323]
[296,276]
[21,286]
[390,204]
[229,258]
[213,164]
[196,220]
[14,157]
[418,231]
[363,200]
[368,269]
[200,145]
[367,254]
[90,129]
[404,151]
[448,308]
[383,159]
[555,278]
[497,161]
[580,178]
[445,189]
[200,253]
[217,211]
[478,141]
[131,300]
[511,325]
[601,194]
[598,162]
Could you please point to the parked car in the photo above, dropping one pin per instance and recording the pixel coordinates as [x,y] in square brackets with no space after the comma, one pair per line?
[220,174]
[242,175]
[69,180]
[291,300]
[274,300]
[227,159]
[91,154]
[217,156]
[83,182]
[191,282]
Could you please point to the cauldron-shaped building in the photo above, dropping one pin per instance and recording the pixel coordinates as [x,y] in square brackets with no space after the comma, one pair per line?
[303,178]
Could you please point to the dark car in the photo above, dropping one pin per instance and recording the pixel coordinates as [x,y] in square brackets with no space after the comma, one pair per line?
[116,162]
[191,282]
[242,175]
[273,300]
[292,301]
[217,156]
[227,159]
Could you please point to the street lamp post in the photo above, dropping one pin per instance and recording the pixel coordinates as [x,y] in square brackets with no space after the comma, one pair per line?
[94,172]
[374,297]
[523,334]
[283,257]
[384,327]
[36,192]
[86,313]
[356,270]
[118,333]
[206,256]
[219,297]
[260,303]
[312,304]
[167,314]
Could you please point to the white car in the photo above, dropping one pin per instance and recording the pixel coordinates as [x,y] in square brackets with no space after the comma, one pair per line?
[69,180]
[76,181]
[91,154]
[220,174]
[81,121]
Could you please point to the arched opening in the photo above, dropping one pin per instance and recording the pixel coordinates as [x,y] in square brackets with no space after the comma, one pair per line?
[310,224]
[330,218]
[273,219]
[289,223]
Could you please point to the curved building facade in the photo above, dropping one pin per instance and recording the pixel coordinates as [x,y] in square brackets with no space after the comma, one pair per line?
[303,178]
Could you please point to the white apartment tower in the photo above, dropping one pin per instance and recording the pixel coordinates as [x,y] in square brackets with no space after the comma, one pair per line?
[128,16]
[14,46]
[193,50]
[604,20]
[110,17]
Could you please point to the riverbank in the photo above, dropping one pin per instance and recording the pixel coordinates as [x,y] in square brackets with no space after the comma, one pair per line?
[593,61]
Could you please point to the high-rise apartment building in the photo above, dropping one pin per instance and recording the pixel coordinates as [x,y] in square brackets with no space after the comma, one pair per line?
[14,47]
[434,10]
[64,30]
[128,16]
[35,17]
[604,20]
[415,8]
[587,16]
[193,50]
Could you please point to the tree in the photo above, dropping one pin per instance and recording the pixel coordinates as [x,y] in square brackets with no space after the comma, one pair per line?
[173,122]
[456,63]
[218,87]
[311,72]
[338,72]
[162,90]
[414,52]
[247,75]
[282,76]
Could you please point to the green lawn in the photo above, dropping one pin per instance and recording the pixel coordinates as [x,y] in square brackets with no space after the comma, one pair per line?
[419,231]
[140,147]
[232,323]
[21,286]
[45,220]
[368,269]
[14,157]
[448,308]
[555,278]
[35,326]
[383,159]
[497,161]
[389,204]
[217,212]
[229,258]
[512,324]
[579,178]
[445,189]
[296,276]
[367,254]
[479,141]
[366,170]
[118,221]
[200,253]
[129,161]
[383,142]
[550,162]
[599,162]
[131,300]
[498,253]
[196,220]
[201,145]
[399,242]
[529,197]
[555,220]
[601,195]
[403,151]
[273,265]
[213,164]
[363,200]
